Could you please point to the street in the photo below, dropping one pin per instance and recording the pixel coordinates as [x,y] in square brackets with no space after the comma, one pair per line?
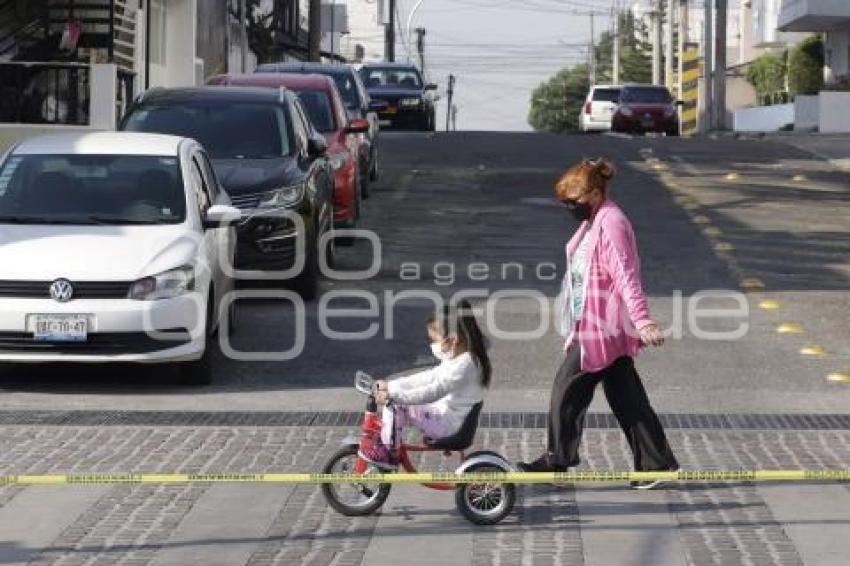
[756,227]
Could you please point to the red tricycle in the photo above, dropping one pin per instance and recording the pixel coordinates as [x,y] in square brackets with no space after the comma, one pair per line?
[480,503]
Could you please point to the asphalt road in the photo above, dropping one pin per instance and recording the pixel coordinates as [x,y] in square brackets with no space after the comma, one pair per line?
[446,202]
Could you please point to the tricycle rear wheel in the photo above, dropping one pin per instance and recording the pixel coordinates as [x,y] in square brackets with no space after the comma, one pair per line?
[353,499]
[485,503]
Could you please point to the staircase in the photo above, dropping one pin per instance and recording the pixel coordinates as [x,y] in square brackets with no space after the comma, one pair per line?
[21,28]
[108,25]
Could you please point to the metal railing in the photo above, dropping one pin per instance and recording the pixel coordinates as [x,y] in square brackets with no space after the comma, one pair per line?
[45,93]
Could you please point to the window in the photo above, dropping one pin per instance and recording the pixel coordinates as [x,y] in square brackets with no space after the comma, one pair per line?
[606,94]
[209,176]
[318,106]
[219,126]
[392,77]
[92,189]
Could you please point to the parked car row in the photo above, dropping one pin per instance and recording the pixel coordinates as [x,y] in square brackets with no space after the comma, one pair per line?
[124,246]
[631,108]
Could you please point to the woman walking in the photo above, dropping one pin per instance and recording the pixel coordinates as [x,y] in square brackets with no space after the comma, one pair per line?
[606,321]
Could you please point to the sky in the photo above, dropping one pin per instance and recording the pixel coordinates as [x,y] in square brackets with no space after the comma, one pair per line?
[500,50]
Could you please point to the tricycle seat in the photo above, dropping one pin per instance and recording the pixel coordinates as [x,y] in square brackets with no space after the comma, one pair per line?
[463,438]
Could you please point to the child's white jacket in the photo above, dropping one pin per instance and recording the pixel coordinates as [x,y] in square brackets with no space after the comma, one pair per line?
[451,388]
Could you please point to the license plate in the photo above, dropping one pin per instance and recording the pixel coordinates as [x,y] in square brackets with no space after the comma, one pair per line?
[648,123]
[385,123]
[391,110]
[60,327]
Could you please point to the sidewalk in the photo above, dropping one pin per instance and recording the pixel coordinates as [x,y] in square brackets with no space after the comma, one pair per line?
[593,524]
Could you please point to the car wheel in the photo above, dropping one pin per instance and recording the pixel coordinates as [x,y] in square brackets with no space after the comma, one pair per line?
[373,168]
[307,283]
[365,188]
[197,373]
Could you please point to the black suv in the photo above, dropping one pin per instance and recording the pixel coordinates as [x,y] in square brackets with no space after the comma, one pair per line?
[357,104]
[410,105]
[267,157]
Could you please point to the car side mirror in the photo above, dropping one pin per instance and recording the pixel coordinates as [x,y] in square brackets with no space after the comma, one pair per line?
[357,126]
[431,86]
[221,216]
[679,103]
[378,105]
[316,147]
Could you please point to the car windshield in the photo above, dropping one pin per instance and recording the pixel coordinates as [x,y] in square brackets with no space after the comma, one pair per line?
[376,77]
[606,94]
[347,89]
[91,189]
[647,95]
[318,106]
[227,130]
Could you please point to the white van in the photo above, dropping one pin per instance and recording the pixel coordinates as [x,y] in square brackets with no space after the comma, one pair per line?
[599,108]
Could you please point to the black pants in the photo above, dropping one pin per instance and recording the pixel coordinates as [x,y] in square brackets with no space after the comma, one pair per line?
[572,393]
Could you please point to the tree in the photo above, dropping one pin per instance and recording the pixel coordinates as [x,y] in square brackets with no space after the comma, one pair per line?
[767,75]
[262,27]
[557,102]
[805,67]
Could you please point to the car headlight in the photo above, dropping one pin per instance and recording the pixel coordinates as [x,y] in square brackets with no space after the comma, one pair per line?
[625,111]
[286,196]
[166,285]
[339,160]
[409,102]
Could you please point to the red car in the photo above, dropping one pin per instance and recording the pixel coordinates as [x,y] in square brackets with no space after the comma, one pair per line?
[325,109]
[646,108]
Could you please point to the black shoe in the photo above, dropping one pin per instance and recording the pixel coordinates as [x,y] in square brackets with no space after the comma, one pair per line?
[544,463]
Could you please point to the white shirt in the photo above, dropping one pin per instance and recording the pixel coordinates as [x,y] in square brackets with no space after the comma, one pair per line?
[451,388]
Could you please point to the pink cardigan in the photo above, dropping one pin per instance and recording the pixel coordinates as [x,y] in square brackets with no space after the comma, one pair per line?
[615,304]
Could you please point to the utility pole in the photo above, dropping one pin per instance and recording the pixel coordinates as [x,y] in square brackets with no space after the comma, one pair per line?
[243,28]
[668,44]
[656,42]
[454,117]
[592,64]
[720,67]
[420,48]
[683,39]
[389,38]
[449,105]
[314,31]
[708,65]
[615,64]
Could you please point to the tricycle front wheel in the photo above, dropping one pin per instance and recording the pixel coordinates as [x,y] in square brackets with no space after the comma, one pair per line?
[485,503]
[353,499]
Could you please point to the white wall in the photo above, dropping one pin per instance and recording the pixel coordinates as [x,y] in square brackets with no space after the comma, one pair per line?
[834,117]
[103,107]
[763,118]
[364,29]
[806,112]
[181,42]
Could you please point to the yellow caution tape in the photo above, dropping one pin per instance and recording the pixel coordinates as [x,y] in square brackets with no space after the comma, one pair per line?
[443,477]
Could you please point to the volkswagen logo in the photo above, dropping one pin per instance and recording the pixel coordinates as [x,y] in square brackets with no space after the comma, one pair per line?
[61,290]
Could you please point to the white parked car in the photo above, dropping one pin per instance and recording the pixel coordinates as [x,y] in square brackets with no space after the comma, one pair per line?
[114,247]
[599,107]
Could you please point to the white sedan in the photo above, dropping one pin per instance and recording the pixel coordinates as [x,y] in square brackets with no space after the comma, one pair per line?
[114,247]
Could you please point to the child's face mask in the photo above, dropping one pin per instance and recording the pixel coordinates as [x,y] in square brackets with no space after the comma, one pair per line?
[437,350]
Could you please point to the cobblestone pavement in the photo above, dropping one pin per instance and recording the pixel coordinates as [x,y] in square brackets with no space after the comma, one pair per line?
[586,524]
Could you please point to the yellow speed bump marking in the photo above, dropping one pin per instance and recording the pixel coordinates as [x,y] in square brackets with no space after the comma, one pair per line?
[839,377]
[659,166]
[769,305]
[701,220]
[712,231]
[790,328]
[723,247]
[799,178]
[813,350]
[752,283]
[841,475]
[732,176]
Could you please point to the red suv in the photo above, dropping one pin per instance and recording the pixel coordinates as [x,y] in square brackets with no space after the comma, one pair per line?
[646,108]
[325,109]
